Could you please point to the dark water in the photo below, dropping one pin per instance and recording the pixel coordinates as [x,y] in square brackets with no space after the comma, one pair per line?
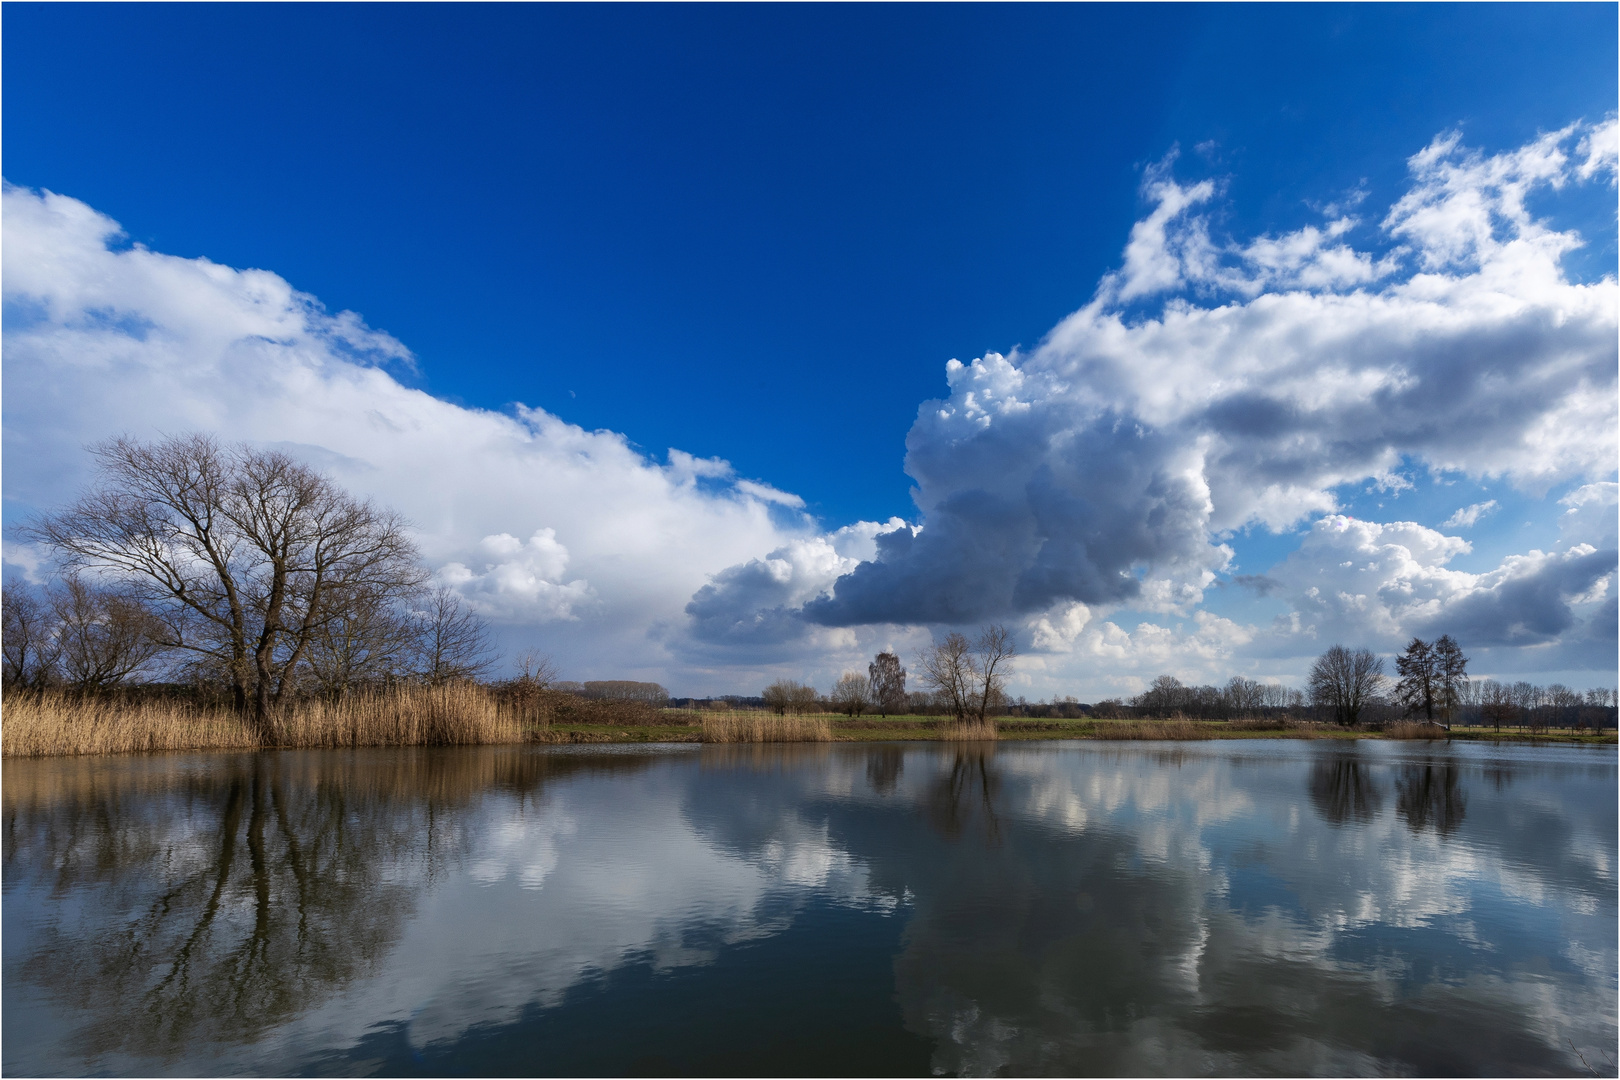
[1184,909]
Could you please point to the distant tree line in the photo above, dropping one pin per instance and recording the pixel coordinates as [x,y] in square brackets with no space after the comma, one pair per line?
[1347,686]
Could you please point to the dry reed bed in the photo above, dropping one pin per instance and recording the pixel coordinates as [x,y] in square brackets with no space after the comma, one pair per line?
[970,731]
[49,725]
[756,728]
[1152,730]
[33,725]
[1411,729]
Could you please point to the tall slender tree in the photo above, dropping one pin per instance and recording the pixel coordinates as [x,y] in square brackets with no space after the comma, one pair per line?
[1450,675]
[888,681]
[1416,668]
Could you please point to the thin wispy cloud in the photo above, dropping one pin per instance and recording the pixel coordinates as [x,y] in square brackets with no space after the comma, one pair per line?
[1468,516]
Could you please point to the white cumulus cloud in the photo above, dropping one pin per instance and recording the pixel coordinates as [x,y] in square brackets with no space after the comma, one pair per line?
[1108,467]
[536,520]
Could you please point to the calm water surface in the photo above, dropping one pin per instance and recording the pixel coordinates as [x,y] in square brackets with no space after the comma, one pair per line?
[1185,909]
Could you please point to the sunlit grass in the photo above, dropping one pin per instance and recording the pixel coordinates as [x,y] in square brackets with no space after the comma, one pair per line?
[39,725]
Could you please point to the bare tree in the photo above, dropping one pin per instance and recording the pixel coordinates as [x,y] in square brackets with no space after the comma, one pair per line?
[994,655]
[1527,697]
[1166,696]
[1497,703]
[785,696]
[852,693]
[452,642]
[104,636]
[242,553]
[29,642]
[969,677]
[888,681]
[368,639]
[804,699]
[1345,681]
[537,669]
[778,696]
[947,670]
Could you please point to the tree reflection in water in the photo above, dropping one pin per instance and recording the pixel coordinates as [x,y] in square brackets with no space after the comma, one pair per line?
[966,790]
[1430,796]
[1343,790]
[883,767]
[236,891]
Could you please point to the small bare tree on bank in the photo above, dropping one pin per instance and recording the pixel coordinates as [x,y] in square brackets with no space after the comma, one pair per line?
[29,643]
[969,677]
[852,693]
[368,641]
[786,696]
[105,637]
[452,643]
[239,553]
[1345,681]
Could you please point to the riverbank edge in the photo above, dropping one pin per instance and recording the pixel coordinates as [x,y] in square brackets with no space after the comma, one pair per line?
[845,730]
[1006,732]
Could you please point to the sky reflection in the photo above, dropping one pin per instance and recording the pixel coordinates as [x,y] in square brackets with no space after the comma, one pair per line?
[974,909]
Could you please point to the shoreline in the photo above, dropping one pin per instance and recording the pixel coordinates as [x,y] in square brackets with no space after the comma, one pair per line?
[464,715]
[692,734]
[1054,731]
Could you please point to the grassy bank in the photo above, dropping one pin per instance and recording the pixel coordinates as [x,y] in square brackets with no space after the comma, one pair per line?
[53,725]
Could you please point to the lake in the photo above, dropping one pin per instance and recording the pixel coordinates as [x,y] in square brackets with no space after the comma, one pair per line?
[1254,907]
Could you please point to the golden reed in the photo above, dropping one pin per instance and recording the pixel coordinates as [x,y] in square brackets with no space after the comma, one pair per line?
[762,727]
[40,725]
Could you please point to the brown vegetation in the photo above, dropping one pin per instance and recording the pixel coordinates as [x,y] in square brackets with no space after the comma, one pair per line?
[762,727]
[1154,730]
[969,731]
[40,724]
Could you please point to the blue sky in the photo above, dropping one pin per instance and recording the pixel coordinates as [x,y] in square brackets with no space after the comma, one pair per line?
[758,233]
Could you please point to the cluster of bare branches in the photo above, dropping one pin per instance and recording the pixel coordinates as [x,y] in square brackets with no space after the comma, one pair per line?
[969,677]
[235,566]
[786,696]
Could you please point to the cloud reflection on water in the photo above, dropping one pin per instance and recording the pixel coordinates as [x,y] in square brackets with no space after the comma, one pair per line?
[1096,908]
